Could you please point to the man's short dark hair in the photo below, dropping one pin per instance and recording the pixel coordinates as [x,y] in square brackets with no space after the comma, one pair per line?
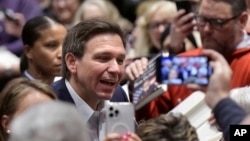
[81,33]
[238,6]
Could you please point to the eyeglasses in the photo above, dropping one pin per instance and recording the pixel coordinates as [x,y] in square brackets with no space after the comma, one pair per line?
[157,24]
[214,23]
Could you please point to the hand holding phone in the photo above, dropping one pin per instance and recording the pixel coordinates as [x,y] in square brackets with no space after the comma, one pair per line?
[186,5]
[119,117]
[9,14]
[178,70]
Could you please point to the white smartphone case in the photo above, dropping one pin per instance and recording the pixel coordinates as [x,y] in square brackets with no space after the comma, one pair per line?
[119,117]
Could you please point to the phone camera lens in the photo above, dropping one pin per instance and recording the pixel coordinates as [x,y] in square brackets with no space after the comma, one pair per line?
[116,112]
[111,108]
[111,115]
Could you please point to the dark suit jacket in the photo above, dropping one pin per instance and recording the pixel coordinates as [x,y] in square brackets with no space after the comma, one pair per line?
[63,93]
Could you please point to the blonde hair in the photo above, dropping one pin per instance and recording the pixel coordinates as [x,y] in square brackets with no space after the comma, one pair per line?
[143,42]
[242,97]
[109,11]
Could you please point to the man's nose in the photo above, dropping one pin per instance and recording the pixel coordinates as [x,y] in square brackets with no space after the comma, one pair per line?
[114,67]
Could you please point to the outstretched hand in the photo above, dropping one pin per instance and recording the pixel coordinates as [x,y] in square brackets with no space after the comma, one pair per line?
[136,68]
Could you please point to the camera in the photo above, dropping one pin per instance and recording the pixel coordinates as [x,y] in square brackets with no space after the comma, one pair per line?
[178,70]
[119,117]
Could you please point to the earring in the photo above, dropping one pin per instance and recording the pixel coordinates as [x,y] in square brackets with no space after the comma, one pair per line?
[8,131]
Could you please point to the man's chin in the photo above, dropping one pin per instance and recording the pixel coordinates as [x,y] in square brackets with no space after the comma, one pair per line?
[105,96]
[209,45]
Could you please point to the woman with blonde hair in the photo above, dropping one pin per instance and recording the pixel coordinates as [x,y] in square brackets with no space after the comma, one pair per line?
[151,25]
[90,9]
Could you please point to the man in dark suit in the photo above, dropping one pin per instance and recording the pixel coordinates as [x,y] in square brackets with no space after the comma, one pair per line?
[93,65]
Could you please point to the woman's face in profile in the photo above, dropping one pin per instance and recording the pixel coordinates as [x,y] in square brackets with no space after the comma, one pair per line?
[45,55]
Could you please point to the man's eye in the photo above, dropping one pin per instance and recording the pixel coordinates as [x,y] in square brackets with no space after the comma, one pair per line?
[104,58]
[217,22]
[120,61]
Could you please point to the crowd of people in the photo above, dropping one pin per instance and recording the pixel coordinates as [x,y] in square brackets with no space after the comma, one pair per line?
[61,61]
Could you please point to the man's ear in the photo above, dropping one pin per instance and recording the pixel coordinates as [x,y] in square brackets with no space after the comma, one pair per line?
[5,122]
[28,52]
[71,62]
[243,19]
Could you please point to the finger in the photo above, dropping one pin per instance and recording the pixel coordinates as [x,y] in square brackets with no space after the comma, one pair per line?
[186,28]
[180,13]
[135,137]
[214,56]
[132,137]
[144,62]
[188,18]
[212,121]
[140,66]
[129,72]
[196,87]
[113,137]
[211,117]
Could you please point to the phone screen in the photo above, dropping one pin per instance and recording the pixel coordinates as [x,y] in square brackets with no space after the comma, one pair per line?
[177,70]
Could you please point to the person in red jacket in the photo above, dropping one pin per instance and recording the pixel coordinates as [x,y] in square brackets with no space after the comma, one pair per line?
[221,24]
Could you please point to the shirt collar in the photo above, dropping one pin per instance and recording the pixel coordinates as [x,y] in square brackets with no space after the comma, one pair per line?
[28,75]
[84,109]
[245,42]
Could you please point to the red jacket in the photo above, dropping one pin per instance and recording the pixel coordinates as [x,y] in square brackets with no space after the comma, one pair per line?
[239,61]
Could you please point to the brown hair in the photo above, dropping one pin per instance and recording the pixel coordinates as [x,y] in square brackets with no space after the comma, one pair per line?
[13,92]
[171,127]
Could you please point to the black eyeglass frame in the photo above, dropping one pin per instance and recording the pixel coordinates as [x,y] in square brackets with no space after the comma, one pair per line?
[214,23]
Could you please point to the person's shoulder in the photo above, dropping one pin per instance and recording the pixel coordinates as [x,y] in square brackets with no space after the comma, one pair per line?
[119,90]
[58,82]
[242,52]
[119,95]
[59,86]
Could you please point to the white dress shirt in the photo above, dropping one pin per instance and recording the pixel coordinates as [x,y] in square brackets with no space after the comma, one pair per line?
[94,119]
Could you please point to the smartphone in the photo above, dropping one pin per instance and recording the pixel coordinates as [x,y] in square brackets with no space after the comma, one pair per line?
[179,70]
[120,117]
[184,4]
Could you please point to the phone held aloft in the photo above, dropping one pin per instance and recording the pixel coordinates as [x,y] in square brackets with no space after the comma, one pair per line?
[178,70]
[184,4]
[119,117]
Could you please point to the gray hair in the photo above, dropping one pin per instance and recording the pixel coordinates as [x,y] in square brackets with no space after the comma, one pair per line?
[242,97]
[49,121]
